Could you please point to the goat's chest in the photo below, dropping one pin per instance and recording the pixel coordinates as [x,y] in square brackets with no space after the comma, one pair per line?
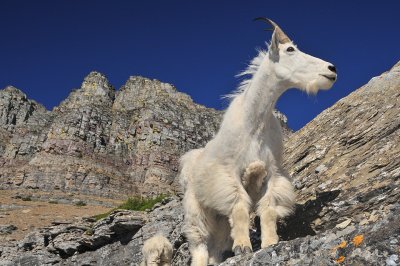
[265,144]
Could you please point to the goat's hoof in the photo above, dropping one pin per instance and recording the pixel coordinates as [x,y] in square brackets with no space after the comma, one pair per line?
[269,242]
[238,250]
[247,250]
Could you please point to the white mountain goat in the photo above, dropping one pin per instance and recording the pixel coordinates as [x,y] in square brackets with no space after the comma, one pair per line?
[241,166]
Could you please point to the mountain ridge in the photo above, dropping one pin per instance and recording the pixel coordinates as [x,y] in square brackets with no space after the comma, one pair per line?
[117,126]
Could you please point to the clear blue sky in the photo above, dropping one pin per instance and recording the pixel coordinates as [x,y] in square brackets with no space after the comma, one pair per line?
[48,47]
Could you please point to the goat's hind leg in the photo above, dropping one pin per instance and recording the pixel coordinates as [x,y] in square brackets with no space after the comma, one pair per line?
[220,241]
[197,245]
[196,230]
[276,203]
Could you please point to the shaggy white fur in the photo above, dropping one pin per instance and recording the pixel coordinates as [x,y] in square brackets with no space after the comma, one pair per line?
[241,166]
[157,251]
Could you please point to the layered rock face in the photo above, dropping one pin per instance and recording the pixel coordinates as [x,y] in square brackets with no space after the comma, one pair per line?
[21,125]
[352,150]
[99,141]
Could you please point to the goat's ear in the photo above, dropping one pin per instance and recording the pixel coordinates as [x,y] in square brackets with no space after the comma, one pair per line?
[274,47]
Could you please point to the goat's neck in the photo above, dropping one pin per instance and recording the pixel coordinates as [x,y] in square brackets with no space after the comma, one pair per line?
[260,97]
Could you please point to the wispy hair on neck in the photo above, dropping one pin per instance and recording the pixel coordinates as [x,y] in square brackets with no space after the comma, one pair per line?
[249,72]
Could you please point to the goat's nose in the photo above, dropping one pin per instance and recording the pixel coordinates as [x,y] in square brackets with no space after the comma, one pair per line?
[332,68]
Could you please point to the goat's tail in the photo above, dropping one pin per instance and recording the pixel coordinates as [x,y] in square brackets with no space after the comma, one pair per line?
[157,251]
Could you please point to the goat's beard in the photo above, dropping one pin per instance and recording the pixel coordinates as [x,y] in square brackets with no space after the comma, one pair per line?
[320,83]
[312,87]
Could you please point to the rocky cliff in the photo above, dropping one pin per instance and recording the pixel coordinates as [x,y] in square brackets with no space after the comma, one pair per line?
[345,167]
[101,141]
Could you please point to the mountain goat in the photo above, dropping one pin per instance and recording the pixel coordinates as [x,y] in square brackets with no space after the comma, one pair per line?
[241,165]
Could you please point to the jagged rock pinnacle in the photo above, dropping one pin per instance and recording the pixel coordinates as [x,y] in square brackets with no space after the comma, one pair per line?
[16,109]
[95,90]
[97,84]
[14,90]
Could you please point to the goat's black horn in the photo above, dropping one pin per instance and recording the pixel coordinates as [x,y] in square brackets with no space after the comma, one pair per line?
[282,37]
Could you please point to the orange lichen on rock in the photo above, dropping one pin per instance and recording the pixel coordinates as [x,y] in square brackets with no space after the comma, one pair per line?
[340,259]
[342,245]
[357,240]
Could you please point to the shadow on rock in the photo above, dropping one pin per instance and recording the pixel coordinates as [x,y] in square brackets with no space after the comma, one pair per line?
[295,226]
[299,223]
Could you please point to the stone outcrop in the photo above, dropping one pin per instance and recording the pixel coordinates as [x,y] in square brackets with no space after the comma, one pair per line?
[118,240]
[352,150]
[114,240]
[21,125]
[374,244]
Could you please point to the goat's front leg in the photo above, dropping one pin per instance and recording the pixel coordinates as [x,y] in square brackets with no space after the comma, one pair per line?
[240,224]
[268,220]
[276,203]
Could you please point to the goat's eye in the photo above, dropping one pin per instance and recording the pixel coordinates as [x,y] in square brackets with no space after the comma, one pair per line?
[290,49]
